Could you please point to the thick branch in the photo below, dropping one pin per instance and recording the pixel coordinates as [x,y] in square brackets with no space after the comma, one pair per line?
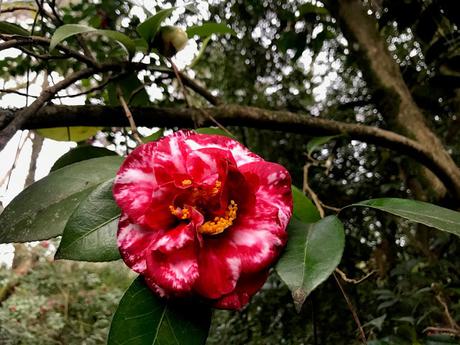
[233,115]
[46,95]
[387,85]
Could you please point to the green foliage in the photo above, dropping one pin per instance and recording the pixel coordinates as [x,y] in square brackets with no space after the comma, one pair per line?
[13,29]
[61,302]
[303,210]
[41,210]
[143,318]
[69,30]
[207,29]
[317,142]
[81,153]
[284,52]
[90,232]
[68,133]
[421,212]
[214,130]
[311,255]
[149,28]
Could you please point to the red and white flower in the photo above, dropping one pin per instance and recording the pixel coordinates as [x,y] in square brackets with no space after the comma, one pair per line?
[203,216]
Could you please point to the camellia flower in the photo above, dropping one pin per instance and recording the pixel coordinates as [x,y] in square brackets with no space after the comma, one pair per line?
[202,216]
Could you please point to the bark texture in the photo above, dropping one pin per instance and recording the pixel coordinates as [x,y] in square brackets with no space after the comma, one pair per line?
[234,115]
[385,80]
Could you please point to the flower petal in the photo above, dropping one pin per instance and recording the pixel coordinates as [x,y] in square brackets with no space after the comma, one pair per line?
[219,270]
[259,234]
[271,183]
[133,241]
[170,157]
[240,154]
[174,271]
[246,287]
[135,182]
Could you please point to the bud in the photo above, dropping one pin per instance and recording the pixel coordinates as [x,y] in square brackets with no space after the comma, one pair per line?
[169,40]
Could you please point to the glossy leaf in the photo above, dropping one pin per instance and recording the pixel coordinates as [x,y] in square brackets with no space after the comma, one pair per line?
[91,231]
[153,137]
[304,210]
[42,210]
[78,133]
[81,153]
[69,30]
[312,253]
[200,54]
[149,28]
[207,29]
[417,211]
[12,29]
[215,131]
[317,142]
[142,318]
[131,87]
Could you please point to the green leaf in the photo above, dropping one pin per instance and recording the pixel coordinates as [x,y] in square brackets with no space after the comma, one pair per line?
[312,253]
[153,137]
[42,210]
[198,57]
[81,153]
[316,142]
[304,210]
[78,133]
[207,29]
[149,28]
[417,211]
[12,29]
[132,89]
[214,131]
[312,9]
[68,30]
[142,318]
[91,231]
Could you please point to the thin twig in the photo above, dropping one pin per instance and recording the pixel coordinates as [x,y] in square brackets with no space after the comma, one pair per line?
[443,330]
[16,41]
[18,8]
[217,123]
[307,189]
[179,80]
[332,208]
[16,92]
[47,94]
[93,89]
[352,309]
[449,317]
[129,115]
[351,280]
[7,176]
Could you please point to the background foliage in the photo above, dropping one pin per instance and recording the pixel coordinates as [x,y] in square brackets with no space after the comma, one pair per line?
[290,56]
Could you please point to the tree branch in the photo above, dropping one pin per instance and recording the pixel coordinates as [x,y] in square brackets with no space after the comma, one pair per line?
[46,95]
[385,80]
[234,115]
[16,41]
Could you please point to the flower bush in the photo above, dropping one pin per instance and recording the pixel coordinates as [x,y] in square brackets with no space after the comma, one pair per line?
[202,216]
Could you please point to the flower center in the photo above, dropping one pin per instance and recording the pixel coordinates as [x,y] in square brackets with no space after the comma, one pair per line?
[186,183]
[181,213]
[219,224]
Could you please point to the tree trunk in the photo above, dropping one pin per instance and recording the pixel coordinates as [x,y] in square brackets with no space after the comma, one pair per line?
[390,92]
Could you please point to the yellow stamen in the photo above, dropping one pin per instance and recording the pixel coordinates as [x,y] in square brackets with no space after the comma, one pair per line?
[181,213]
[186,183]
[219,224]
[216,188]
